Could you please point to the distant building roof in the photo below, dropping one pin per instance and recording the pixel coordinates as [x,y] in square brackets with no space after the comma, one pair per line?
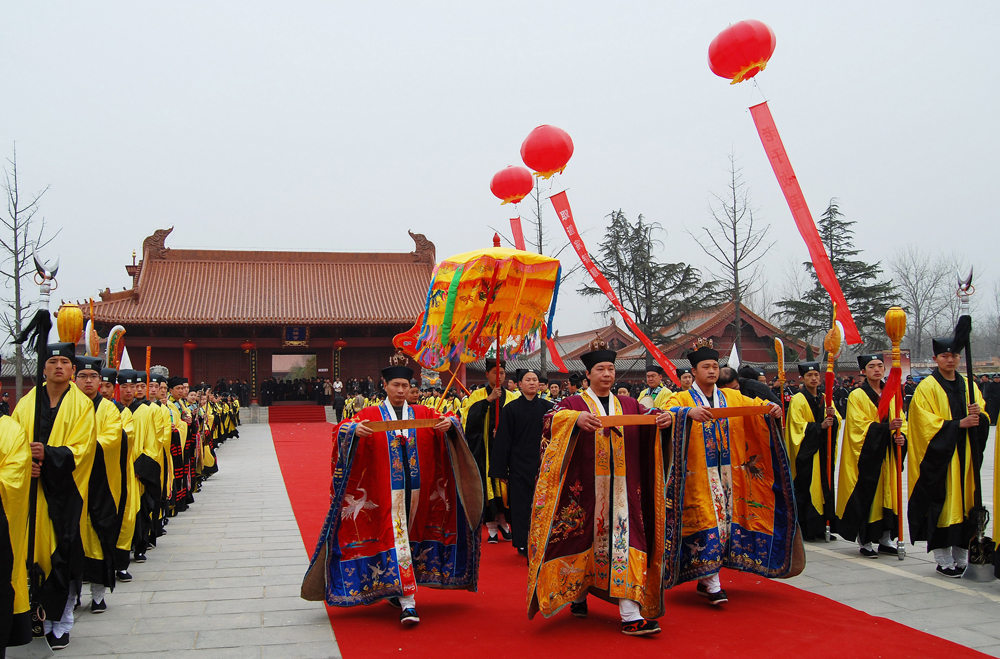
[223,287]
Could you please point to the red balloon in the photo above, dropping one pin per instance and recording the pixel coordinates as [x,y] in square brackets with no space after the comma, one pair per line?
[511,184]
[741,51]
[546,150]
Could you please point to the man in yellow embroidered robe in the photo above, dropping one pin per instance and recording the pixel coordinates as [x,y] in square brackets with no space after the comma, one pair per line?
[15,486]
[64,456]
[729,498]
[947,438]
[598,513]
[867,510]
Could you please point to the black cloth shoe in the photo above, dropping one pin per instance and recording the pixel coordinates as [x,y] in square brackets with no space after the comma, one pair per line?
[409,617]
[493,539]
[578,609]
[640,627]
[522,551]
[702,589]
[394,601]
[57,642]
[504,533]
[98,607]
[869,553]
[886,549]
[124,577]
[950,572]
[140,558]
[715,599]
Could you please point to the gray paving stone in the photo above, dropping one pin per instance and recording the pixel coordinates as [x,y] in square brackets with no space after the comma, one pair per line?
[269,636]
[298,651]
[264,604]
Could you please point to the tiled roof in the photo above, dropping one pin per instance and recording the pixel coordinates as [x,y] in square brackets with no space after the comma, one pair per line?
[219,287]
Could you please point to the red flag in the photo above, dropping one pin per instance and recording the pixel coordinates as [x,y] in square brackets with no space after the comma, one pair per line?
[803,218]
[554,354]
[515,228]
[561,203]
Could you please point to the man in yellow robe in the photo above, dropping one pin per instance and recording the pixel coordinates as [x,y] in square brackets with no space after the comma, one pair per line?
[99,523]
[947,439]
[15,486]
[867,509]
[135,431]
[729,497]
[806,426]
[63,454]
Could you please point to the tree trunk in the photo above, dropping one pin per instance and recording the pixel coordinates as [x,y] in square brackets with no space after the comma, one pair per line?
[737,297]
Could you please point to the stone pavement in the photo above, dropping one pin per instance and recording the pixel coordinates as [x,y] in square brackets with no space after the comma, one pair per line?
[223,582]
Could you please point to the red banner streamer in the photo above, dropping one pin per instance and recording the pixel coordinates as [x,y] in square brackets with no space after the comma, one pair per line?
[561,203]
[803,218]
[554,356]
[515,228]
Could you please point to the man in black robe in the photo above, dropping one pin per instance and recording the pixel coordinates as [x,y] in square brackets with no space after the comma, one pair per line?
[992,395]
[516,453]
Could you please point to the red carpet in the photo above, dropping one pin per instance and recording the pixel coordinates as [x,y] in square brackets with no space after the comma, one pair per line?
[763,619]
[296,414]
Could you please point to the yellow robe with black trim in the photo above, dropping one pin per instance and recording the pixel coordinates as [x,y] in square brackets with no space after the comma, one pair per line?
[15,488]
[811,512]
[72,429]
[207,459]
[133,492]
[161,421]
[108,432]
[884,510]
[929,412]
[480,442]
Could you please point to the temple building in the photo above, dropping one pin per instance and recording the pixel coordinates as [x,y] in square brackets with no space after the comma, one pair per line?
[244,315]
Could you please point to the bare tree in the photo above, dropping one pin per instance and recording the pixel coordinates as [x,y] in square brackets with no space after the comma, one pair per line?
[735,244]
[24,233]
[922,282]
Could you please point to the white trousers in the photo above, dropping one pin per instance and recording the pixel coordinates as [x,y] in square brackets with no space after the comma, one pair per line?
[62,626]
[952,557]
[408,601]
[885,541]
[711,582]
[629,610]
[97,592]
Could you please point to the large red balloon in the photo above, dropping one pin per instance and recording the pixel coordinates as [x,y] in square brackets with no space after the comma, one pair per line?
[511,184]
[741,51]
[546,150]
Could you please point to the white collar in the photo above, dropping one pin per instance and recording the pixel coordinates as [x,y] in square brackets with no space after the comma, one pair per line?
[391,411]
[701,394]
[597,401]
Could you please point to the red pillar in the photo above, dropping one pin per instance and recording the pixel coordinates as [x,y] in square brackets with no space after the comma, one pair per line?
[189,345]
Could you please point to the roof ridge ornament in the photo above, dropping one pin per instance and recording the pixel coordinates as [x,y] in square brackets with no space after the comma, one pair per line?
[154,246]
[425,251]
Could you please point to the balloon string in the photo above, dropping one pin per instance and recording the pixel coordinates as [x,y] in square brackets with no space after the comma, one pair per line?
[756,86]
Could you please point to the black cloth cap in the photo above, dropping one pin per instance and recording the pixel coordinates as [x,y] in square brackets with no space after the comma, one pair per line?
[946,344]
[156,377]
[703,353]
[89,364]
[655,368]
[140,376]
[575,379]
[595,357]
[390,373]
[176,381]
[414,383]
[808,367]
[61,350]
[864,359]
[748,372]
[109,375]
[127,376]
[491,364]
[521,372]
[683,371]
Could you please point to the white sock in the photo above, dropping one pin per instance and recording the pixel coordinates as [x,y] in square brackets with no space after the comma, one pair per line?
[961,556]
[629,610]
[97,592]
[491,527]
[944,558]
[62,626]
[711,582]
[886,539]
[867,546]
[408,601]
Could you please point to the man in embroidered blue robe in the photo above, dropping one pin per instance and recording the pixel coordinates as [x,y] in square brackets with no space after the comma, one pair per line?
[729,499]
[405,507]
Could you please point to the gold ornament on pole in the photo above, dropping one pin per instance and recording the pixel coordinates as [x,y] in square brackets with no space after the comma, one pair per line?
[895,329]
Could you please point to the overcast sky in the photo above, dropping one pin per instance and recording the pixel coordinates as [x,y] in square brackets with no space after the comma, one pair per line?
[338,126]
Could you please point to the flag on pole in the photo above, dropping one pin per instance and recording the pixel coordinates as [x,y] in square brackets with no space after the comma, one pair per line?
[734,358]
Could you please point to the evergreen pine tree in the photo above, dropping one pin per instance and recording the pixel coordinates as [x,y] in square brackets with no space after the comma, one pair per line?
[866,293]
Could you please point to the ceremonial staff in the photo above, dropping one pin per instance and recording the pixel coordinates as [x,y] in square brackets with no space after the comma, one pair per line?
[779,351]
[978,568]
[895,328]
[832,346]
[38,329]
